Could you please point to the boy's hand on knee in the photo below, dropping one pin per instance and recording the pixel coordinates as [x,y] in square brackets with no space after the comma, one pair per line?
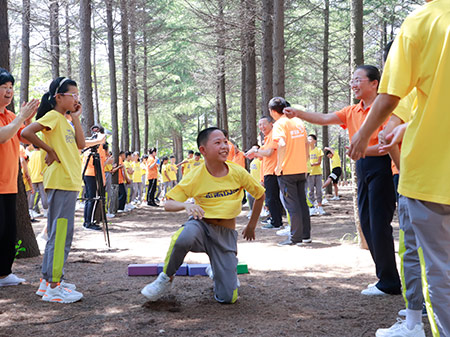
[194,210]
[249,233]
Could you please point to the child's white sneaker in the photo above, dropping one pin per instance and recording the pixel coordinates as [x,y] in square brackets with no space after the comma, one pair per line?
[59,294]
[11,280]
[157,288]
[44,284]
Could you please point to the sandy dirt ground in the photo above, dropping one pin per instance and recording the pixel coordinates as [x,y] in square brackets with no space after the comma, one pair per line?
[290,291]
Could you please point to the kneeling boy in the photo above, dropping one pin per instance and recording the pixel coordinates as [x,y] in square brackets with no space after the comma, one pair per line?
[217,188]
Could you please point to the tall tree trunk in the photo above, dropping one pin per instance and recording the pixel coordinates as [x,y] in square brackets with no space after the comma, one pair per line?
[266,55]
[178,148]
[85,66]
[135,146]
[243,75]
[125,143]
[54,37]
[25,71]
[68,54]
[357,58]
[144,80]
[23,219]
[221,67]
[250,75]
[94,72]
[325,91]
[113,96]
[278,48]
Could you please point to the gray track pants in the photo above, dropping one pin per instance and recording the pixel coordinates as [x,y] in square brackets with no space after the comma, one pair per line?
[431,223]
[219,243]
[315,183]
[60,220]
[38,188]
[409,259]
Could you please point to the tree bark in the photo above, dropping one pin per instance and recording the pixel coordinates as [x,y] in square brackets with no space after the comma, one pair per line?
[222,98]
[243,76]
[278,49]
[125,143]
[4,35]
[94,72]
[178,149]
[113,86]
[250,76]
[325,91]
[25,70]
[135,143]
[266,55]
[145,87]
[68,54]
[54,37]
[85,66]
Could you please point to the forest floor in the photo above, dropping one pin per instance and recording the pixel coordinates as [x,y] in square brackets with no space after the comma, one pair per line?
[290,291]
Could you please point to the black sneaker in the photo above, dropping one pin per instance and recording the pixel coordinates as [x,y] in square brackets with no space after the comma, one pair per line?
[267,221]
[93,227]
[269,226]
[287,242]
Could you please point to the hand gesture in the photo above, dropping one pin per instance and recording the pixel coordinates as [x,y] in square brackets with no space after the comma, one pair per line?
[290,112]
[51,157]
[394,138]
[28,110]
[358,146]
[248,233]
[195,211]
[78,111]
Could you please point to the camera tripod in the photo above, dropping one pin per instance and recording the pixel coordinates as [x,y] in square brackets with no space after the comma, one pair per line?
[99,199]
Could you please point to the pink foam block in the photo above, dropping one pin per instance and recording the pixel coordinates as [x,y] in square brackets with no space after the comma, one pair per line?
[197,269]
[142,269]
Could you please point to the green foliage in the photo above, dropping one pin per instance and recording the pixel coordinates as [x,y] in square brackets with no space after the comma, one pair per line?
[19,248]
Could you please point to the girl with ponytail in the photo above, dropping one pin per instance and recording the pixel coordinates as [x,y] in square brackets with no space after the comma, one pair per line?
[62,181]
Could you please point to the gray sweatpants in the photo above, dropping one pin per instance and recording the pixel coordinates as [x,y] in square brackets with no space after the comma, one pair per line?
[431,223]
[38,187]
[409,259]
[315,183]
[60,220]
[219,243]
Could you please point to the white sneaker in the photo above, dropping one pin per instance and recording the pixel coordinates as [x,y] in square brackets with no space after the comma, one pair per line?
[249,215]
[43,236]
[335,198]
[11,280]
[110,215]
[400,329]
[313,211]
[44,284]
[45,213]
[284,232]
[157,288]
[264,213]
[324,201]
[320,211]
[59,294]
[121,211]
[373,291]
[209,272]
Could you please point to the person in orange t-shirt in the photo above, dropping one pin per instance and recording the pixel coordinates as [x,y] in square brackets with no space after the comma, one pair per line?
[290,139]
[376,194]
[10,128]
[152,176]
[268,156]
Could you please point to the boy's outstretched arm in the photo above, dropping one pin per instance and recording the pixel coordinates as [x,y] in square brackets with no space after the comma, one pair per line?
[191,209]
[249,230]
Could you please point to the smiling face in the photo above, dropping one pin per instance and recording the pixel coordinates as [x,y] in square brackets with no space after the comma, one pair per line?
[6,94]
[265,126]
[68,101]
[216,147]
[362,86]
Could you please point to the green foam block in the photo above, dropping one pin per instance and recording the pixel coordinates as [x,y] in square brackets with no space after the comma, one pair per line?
[242,268]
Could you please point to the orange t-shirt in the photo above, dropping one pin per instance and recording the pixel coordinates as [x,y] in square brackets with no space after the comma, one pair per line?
[268,164]
[353,117]
[120,171]
[231,152]
[294,134]
[90,168]
[152,172]
[9,154]
[239,159]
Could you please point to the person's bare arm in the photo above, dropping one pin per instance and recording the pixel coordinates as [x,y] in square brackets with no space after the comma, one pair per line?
[29,133]
[191,209]
[311,117]
[79,135]
[249,230]
[394,153]
[281,153]
[27,112]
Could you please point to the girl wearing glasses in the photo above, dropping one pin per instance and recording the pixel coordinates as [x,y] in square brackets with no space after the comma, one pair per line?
[62,181]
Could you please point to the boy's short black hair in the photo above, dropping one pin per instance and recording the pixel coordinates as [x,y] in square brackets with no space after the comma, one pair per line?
[313,136]
[203,136]
[172,156]
[165,158]
[128,153]
[278,104]
[121,152]
[198,154]
[267,118]
[327,152]
[5,77]
[190,152]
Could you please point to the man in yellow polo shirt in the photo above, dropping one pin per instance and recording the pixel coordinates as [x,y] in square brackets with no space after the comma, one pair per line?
[420,57]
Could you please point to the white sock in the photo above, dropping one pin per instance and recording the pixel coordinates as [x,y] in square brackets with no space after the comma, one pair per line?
[413,317]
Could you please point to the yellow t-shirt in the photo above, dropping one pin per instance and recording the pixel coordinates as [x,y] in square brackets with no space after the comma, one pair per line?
[108,167]
[128,164]
[335,161]
[255,169]
[137,174]
[314,158]
[36,165]
[172,172]
[420,57]
[65,175]
[165,173]
[196,163]
[220,198]
[186,166]
[407,106]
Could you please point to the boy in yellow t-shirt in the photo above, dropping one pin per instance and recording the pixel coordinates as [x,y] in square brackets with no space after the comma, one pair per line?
[217,187]
[315,175]
[172,171]
[336,171]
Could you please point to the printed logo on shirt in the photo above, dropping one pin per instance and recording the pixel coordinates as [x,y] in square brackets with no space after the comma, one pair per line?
[221,194]
[296,133]
[70,136]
